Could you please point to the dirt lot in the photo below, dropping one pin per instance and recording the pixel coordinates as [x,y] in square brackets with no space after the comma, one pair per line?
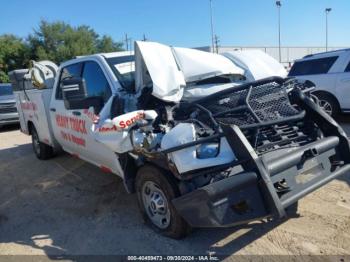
[66,206]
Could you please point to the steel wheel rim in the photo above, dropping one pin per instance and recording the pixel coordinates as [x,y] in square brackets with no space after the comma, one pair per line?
[156,204]
[36,143]
[326,106]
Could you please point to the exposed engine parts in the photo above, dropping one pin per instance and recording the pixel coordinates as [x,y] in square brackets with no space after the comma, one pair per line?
[188,135]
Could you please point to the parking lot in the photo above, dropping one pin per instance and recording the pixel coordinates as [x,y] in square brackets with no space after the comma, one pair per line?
[66,206]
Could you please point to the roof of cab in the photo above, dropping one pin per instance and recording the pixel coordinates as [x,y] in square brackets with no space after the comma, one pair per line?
[99,55]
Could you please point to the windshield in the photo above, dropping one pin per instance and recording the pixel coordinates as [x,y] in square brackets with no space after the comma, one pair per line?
[124,69]
[5,90]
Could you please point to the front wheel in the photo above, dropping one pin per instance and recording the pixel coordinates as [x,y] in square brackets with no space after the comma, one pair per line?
[155,191]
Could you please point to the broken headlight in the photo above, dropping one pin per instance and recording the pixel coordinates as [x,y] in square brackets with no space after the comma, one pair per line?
[207,150]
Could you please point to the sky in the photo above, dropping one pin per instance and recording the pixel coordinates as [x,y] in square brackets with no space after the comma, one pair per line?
[187,22]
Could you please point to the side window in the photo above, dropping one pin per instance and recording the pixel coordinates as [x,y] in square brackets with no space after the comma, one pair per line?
[67,72]
[347,69]
[95,81]
[313,67]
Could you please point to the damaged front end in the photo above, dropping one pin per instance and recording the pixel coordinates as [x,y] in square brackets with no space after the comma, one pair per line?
[237,152]
[244,153]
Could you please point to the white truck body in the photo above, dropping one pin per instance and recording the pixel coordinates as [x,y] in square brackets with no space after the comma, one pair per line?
[99,142]
[186,131]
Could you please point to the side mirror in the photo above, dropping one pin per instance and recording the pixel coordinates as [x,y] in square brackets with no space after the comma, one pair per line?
[73,88]
[75,95]
[117,107]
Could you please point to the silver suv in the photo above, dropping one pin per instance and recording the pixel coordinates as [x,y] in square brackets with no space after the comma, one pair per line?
[8,110]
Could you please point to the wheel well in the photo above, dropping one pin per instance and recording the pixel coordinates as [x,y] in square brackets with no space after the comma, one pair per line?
[30,126]
[327,94]
[130,168]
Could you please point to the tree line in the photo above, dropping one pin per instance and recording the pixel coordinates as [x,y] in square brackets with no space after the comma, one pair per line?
[54,41]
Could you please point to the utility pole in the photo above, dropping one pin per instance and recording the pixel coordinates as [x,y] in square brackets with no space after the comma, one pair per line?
[327,11]
[211,26]
[144,38]
[216,42]
[126,41]
[278,4]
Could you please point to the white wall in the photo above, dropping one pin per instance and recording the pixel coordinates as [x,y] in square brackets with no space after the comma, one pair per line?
[288,54]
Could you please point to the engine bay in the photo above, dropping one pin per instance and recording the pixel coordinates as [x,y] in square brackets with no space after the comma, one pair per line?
[187,139]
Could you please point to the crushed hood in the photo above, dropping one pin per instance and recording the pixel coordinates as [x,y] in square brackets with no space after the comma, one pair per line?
[256,64]
[155,67]
[197,65]
[168,69]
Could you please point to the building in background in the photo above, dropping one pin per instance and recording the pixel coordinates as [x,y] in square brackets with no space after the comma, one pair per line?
[288,54]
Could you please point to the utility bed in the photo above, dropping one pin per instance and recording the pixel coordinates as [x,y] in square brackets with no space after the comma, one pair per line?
[34,107]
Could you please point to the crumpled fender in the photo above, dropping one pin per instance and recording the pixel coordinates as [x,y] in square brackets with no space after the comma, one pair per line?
[114,133]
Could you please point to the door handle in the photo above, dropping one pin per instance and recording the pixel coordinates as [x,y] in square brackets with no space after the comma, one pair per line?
[53,109]
[76,113]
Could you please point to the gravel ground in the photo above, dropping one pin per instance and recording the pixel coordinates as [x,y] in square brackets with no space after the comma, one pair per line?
[64,206]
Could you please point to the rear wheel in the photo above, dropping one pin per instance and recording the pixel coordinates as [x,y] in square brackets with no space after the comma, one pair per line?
[328,103]
[41,150]
[155,191]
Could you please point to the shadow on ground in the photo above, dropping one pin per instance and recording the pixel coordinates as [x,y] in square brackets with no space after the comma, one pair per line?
[8,128]
[64,206]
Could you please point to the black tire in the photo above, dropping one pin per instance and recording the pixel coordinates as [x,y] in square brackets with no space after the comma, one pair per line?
[41,150]
[176,227]
[328,101]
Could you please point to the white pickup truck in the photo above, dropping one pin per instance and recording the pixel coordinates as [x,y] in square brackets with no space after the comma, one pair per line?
[200,145]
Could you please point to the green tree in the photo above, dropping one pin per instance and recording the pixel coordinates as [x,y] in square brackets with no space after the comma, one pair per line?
[59,41]
[106,44]
[56,41]
[13,55]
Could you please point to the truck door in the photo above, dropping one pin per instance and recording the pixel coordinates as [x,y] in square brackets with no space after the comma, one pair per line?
[62,119]
[93,151]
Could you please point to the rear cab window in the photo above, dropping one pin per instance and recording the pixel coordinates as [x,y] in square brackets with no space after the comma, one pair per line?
[313,66]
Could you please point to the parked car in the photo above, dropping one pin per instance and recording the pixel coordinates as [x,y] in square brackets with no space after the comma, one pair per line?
[330,72]
[8,110]
[198,148]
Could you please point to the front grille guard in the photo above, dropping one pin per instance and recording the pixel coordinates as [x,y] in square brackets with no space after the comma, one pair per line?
[260,103]
[205,111]
[269,183]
